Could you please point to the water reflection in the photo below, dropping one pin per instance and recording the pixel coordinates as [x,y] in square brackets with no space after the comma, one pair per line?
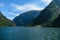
[27,33]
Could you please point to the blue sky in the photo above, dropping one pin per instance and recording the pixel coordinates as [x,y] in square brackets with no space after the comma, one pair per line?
[12,8]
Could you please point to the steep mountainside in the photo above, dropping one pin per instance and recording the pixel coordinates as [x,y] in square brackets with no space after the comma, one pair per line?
[26,18]
[5,22]
[56,22]
[49,16]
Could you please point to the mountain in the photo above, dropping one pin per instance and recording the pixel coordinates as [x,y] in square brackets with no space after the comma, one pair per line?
[25,18]
[56,22]
[50,16]
[5,22]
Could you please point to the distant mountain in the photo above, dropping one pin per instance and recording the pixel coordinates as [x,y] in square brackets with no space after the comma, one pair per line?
[25,18]
[50,16]
[5,22]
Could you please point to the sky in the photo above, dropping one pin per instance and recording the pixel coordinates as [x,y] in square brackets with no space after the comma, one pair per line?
[13,8]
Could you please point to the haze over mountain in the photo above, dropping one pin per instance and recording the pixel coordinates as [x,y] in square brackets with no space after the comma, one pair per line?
[25,18]
[12,8]
[5,22]
[50,16]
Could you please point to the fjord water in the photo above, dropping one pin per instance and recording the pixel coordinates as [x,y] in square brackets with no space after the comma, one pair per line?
[29,33]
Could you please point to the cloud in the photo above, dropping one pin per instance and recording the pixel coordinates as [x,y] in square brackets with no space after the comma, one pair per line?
[46,1]
[30,6]
[1,4]
[17,14]
[26,7]
[12,13]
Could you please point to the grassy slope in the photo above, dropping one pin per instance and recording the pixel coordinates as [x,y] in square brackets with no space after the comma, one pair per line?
[5,22]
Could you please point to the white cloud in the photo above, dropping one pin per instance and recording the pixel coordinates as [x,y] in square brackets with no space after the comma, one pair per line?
[26,7]
[12,13]
[11,18]
[46,1]
[16,14]
[1,4]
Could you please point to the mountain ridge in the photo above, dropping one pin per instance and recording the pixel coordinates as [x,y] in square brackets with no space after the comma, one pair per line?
[48,15]
[25,18]
[5,22]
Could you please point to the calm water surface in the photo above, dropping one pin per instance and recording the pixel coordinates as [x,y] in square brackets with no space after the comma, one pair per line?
[29,33]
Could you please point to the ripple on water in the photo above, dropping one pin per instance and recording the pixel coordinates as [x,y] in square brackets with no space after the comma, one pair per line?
[27,33]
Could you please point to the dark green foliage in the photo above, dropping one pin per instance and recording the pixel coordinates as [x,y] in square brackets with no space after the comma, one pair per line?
[5,22]
[49,16]
[25,18]
[56,22]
